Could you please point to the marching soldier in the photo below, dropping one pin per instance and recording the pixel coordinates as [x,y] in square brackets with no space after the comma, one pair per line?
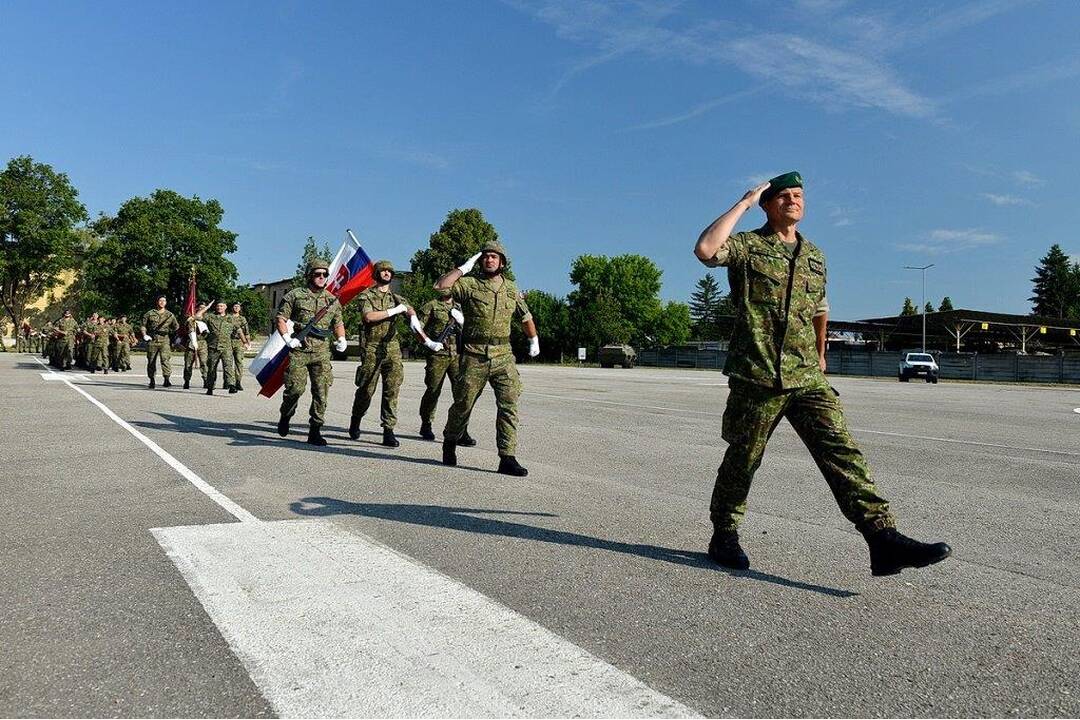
[310,358]
[66,328]
[442,321]
[381,352]
[194,349]
[98,346]
[219,332]
[122,331]
[776,367]
[241,341]
[157,328]
[489,304]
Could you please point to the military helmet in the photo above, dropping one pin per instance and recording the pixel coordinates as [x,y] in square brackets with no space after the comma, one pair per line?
[383,265]
[496,247]
[317,263]
[444,293]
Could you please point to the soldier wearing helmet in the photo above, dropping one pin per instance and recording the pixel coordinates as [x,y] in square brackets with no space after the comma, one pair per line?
[489,303]
[309,358]
[381,352]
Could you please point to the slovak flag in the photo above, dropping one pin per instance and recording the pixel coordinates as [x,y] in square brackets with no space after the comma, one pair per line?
[351,273]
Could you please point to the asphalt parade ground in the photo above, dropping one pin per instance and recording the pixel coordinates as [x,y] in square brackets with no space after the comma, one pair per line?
[167,554]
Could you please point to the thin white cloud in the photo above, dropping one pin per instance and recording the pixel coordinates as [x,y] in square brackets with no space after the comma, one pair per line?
[697,110]
[944,241]
[1006,200]
[1026,177]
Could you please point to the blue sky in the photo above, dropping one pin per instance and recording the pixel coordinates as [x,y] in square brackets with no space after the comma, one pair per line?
[927,132]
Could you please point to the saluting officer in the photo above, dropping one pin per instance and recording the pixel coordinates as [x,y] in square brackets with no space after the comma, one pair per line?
[776,366]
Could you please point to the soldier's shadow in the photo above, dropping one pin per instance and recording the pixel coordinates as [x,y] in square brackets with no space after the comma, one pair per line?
[265,435]
[473,520]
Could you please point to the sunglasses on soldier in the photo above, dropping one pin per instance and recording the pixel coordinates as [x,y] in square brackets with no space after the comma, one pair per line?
[320,273]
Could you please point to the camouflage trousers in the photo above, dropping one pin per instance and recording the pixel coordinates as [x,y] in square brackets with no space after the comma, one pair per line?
[305,364]
[473,374]
[158,349]
[438,368]
[65,351]
[384,362]
[189,363]
[98,358]
[223,355]
[238,360]
[752,414]
[21,343]
[123,355]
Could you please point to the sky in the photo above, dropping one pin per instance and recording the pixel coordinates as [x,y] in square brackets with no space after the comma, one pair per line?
[926,132]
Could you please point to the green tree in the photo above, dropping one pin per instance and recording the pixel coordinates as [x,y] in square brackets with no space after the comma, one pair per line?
[254,308]
[598,320]
[1056,290]
[929,307]
[552,317]
[909,308]
[39,209]
[460,237]
[946,304]
[311,251]
[622,292]
[707,306]
[673,324]
[150,247]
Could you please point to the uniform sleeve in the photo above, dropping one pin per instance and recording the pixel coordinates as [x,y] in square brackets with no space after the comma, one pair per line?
[338,316]
[462,288]
[145,322]
[366,305]
[823,306]
[731,254]
[174,324]
[285,309]
[521,308]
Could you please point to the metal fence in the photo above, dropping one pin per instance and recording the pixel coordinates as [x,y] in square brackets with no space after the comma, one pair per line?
[953,366]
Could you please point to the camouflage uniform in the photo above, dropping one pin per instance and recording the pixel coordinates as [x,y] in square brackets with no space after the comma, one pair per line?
[98,358]
[488,307]
[219,349]
[312,359]
[772,361]
[123,331]
[240,325]
[380,356]
[160,325]
[65,345]
[198,353]
[435,316]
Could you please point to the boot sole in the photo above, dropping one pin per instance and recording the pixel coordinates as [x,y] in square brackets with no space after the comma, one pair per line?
[881,572]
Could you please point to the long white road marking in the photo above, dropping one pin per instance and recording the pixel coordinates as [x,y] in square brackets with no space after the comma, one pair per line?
[854,429]
[1076,410]
[332,624]
[329,623]
[209,490]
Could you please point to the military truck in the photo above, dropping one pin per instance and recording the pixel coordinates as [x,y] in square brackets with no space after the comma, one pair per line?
[614,354]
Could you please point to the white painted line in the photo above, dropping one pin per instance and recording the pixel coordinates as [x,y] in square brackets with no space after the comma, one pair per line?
[206,488]
[55,376]
[1076,410]
[332,624]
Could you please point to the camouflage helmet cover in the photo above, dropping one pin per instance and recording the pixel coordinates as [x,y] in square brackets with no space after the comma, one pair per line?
[496,247]
[317,263]
[383,265]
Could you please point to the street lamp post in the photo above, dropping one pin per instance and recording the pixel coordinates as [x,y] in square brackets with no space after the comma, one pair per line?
[922,306]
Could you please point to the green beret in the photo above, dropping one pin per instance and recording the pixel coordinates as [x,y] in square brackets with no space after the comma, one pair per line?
[779,183]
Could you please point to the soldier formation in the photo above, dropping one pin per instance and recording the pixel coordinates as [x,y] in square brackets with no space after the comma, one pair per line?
[776,362]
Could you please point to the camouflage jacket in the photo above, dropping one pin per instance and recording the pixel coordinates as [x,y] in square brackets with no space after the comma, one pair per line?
[301,305]
[160,323]
[435,316]
[219,331]
[488,311]
[384,332]
[122,330]
[67,325]
[240,329]
[777,290]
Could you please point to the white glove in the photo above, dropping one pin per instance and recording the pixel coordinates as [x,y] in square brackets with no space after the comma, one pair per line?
[456,314]
[146,338]
[202,326]
[291,341]
[340,344]
[397,310]
[414,323]
[433,346]
[193,340]
[467,266]
[534,346]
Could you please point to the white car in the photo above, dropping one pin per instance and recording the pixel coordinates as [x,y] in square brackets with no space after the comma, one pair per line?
[918,364]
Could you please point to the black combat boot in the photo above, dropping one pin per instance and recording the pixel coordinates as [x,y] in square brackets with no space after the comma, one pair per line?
[388,438]
[314,437]
[425,431]
[466,440]
[92,371]
[508,465]
[166,383]
[354,426]
[724,549]
[283,426]
[232,390]
[449,452]
[187,383]
[152,384]
[104,371]
[209,391]
[891,552]
[237,386]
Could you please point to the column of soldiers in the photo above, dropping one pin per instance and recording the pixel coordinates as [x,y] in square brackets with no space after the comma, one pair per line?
[99,344]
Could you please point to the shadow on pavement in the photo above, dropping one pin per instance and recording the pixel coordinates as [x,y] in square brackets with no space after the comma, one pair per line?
[265,435]
[466,520]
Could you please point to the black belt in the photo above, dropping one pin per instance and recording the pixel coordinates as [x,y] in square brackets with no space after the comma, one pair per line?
[487,340]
